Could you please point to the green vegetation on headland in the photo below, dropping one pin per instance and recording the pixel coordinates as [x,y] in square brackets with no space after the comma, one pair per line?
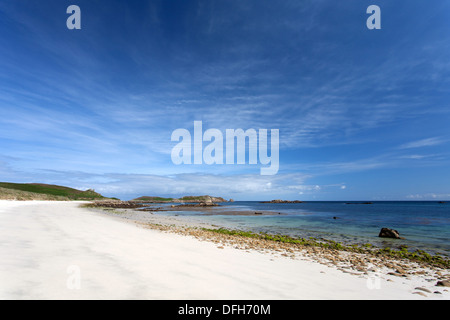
[150,199]
[402,253]
[39,191]
[192,198]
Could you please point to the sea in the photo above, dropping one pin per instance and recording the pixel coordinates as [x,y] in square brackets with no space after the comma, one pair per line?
[425,225]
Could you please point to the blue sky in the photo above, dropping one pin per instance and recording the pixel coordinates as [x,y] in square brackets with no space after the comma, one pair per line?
[363,114]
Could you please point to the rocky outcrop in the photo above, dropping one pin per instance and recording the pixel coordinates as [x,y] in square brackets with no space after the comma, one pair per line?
[200,204]
[282,201]
[389,233]
[115,204]
[199,199]
[186,199]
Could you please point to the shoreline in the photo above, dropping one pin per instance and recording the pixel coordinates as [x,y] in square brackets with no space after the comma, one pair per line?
[155,214]
[120,258]
[187,225]
[362,264]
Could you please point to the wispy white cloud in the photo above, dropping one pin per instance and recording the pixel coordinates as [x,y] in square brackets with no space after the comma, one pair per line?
[109,100]
[423,143]
[126,186]
[429,196]
[419,156]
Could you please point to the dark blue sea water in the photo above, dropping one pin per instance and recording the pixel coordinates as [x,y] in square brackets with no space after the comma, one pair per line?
[424,225]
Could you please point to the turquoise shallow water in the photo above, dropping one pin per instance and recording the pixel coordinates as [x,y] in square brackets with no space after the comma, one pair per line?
[424,225]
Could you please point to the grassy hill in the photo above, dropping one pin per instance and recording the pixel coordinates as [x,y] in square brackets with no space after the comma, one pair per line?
[156,199]
[39,191]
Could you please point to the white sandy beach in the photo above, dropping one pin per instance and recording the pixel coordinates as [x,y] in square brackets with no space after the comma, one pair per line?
[56,250]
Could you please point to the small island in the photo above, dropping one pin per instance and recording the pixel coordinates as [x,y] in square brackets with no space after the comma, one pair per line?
[185,199]
[282,201]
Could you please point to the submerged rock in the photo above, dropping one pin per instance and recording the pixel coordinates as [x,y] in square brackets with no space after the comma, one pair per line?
[389,233]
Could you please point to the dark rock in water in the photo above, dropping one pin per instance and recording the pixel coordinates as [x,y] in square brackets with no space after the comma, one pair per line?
[389,233]
[258,212]
[282,201]
[335,218]
[151,209]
